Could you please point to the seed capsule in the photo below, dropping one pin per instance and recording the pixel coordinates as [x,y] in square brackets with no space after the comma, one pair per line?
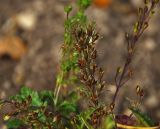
[138,89]
[6,117]
[112,105]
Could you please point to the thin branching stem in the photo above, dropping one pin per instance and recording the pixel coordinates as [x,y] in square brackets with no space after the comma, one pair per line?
[141,25]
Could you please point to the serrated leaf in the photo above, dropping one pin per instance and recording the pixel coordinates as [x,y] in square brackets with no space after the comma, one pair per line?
[36,101]
[24,93]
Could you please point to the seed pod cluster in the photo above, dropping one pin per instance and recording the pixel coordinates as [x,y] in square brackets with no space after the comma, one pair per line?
[91,75]
[140,92]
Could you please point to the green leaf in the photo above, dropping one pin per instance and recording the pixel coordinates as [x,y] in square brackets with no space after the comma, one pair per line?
[42,117]
[87,113]
[36,101]
[84,121]
[143,118]
[73,97]
[84,117]
[109,122]
[66,107]
[22,95]
[14,123]
[25,92]
[84,4]
[60,78]
[81,18]
[47,97]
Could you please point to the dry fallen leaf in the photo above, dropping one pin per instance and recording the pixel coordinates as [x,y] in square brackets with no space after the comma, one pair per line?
[13,46]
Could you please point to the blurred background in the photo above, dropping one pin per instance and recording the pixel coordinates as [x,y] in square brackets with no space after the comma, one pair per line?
[31,34]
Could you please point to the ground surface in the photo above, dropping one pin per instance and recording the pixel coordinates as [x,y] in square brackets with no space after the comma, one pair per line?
[38,67]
